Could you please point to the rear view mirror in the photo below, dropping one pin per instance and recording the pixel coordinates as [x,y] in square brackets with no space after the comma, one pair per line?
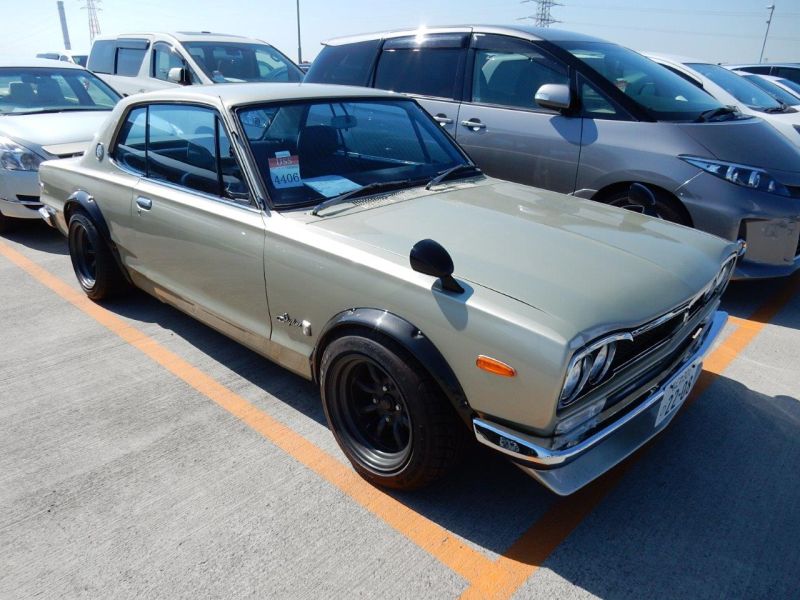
[344,121]
[555,96]
[179,75]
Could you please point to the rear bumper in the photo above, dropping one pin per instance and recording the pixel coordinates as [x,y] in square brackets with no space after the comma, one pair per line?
[567,470]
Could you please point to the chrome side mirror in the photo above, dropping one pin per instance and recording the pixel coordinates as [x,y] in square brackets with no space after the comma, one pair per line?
[555,96]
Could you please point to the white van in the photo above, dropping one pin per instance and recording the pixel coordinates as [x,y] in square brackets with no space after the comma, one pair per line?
[134,63]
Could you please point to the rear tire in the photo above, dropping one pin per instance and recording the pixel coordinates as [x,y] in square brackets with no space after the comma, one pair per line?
[665,207]
[92,260]
[387,414]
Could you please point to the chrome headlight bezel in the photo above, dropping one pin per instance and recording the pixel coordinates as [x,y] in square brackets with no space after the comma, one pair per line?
[16,157]
[590,365]
[754,178]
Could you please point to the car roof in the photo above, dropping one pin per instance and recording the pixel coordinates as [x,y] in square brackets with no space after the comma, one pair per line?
[740,65]
[37,62]
[236,94]
[675,58]
[532,33]
[183,36]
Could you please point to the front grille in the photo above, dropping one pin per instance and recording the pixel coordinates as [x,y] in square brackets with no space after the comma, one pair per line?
[26,198]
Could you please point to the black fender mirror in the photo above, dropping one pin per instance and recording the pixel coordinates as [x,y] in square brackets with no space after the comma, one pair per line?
[643,196]
[430,257]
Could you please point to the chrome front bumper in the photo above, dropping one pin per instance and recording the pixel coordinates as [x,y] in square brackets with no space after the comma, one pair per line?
[567,470]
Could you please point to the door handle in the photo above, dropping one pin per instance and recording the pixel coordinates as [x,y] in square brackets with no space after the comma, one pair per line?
[474,124]
[143,203]
[443,119]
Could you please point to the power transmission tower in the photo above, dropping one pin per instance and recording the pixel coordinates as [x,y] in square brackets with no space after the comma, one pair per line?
[543,18]
[91,8]
[63,19]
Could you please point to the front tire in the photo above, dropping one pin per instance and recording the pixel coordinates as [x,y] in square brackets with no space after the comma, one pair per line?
[665,206]
[94,265]
[387,414]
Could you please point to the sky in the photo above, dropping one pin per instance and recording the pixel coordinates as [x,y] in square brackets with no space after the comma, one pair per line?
[714,30]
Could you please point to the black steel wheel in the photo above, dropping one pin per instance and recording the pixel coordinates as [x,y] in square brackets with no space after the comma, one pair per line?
[94,265]
[387,414]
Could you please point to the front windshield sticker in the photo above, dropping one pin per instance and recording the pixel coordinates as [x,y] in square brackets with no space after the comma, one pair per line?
[331,185]
[284,170]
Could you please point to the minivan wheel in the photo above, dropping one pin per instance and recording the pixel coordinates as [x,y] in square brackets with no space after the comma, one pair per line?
[665,205]
[387,414]
[94,265]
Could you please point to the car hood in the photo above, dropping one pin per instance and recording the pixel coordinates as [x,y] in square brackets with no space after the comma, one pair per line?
[748,141]
[53,129]
[585,263]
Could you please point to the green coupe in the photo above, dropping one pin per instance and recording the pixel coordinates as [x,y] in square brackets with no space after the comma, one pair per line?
[341,233]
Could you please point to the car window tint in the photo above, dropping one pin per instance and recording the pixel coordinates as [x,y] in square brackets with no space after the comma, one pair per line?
[232,62]
[512,78]
[234,186]
[130,148]
[424,71]
[101,58]
[792,74]
[128,61]
[595,104]
[164,59]
[348,64]
[181,147]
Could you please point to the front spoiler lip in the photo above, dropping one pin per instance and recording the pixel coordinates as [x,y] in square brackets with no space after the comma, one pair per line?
[546,464]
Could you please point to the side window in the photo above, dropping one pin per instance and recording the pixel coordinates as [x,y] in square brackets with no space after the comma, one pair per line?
[164,59]
[233,183]
[509,72]
[431,67]
[101,58]
[348,64]
[129,151]
[792,74]
[596,104]
[762,70]
[129,60]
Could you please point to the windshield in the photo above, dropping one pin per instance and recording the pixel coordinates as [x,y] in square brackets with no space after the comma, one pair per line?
[665,95]
[25,90]
[795,87]
[738,87]
[80,59]
[776,91]
[307,152]
[228,62]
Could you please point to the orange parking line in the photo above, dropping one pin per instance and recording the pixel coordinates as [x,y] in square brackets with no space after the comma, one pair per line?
[426,534]
[513,568]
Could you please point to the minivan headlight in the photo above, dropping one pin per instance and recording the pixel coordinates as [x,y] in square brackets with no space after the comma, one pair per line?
[16,157]
[749,177]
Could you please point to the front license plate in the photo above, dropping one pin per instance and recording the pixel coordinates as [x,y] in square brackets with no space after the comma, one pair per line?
[676,393]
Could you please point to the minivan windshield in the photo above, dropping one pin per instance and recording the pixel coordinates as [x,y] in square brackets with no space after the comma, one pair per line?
[28,90]
[663,94]
[309,152]
[745,92]
[227,62]
[773,90]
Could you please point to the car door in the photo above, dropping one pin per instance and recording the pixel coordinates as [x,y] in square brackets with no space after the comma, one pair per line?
[199,237]
[430,68]
[503,129]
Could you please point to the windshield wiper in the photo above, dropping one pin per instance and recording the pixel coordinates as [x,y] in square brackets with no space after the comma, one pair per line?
[375,186]
[777,109]
[720,111]
[452,171]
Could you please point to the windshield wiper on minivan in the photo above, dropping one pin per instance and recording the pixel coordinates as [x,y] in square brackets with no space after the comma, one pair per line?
[375,186]
[720,111]
[452,171]
[777,109]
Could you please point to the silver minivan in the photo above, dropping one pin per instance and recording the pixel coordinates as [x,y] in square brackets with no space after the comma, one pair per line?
[580,115]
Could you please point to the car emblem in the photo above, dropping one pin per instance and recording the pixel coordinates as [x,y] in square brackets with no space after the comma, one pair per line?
[99,152]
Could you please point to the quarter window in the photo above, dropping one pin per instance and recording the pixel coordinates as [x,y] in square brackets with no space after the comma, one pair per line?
[130,151]
[348,64]
[164,59]
[129,60]
[101,58]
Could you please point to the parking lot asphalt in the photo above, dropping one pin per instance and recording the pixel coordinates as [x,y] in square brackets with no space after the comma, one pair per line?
[144,455]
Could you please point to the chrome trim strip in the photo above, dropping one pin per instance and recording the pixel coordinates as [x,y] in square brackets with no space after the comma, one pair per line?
[537,456]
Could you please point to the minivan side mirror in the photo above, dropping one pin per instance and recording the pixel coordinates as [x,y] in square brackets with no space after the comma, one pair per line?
[179,75]
[555,96]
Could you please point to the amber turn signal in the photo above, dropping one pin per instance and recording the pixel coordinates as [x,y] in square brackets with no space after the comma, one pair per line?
[492,365]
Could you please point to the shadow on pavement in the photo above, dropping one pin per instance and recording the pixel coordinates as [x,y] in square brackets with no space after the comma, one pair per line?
[37,235]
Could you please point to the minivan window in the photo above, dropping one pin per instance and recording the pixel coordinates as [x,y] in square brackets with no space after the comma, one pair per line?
[776,91]
[427,70]
[129,60]
[164,59]
[664,95]
[790,73]
[101,58]
[348,64]
[744,91]
[225,62]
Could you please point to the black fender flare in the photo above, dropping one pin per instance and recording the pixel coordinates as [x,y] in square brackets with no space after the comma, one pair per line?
[82,200]
[409,337]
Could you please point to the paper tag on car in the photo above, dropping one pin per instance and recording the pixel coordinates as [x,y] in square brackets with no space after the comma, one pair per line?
[284,170]
[331,185]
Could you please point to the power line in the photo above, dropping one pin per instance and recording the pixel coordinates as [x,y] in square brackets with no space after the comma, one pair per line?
[91,8]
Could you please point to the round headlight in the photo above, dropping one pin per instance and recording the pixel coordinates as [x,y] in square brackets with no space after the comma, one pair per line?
[602,361]
[573,379]
[722,278]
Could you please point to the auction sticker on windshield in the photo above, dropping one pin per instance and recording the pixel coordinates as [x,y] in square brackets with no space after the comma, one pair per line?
[284,170]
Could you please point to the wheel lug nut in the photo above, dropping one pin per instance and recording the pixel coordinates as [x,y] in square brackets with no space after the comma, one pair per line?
[374,400]
[385,388]
[397,407]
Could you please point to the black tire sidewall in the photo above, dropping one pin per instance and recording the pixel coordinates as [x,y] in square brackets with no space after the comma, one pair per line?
[664,210]
[105,267]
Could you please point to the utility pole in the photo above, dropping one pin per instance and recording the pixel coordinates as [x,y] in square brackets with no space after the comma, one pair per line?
[90,7]
[543,18]
[299,45]
[63,18]
[771,9]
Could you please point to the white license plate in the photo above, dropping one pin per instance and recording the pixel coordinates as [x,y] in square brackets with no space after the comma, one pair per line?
[676,393]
